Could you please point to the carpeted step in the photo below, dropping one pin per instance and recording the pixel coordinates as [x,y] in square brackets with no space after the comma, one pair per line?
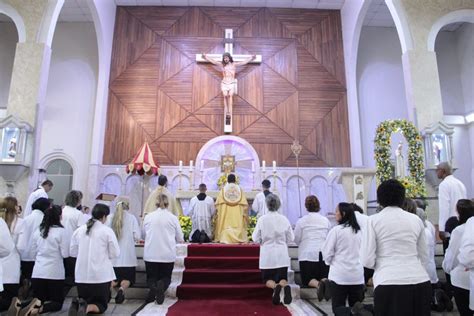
[196,262]
[227,307]
[224,291]
[222,276]
[219,250]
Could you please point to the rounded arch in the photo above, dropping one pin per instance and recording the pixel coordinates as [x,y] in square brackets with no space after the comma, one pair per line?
[403,28]
[49,22]
[17,20]
[47,159]
[466,15]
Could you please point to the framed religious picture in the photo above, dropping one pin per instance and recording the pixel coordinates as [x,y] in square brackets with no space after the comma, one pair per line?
[227,163]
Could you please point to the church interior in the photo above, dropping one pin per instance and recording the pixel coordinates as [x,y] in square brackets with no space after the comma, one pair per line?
[330,98]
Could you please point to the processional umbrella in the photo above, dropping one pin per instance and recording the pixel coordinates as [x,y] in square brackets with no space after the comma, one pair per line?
[143,162]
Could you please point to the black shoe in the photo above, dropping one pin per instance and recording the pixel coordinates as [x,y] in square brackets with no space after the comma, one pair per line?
[160,293]
[287,295]
[327,290]
[276,295]
[151,294]
[74,307]
[359,310]
[321,289]
[24,290]
[82,310]
[120,297]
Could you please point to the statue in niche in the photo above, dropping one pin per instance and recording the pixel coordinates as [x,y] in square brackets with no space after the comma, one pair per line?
[12,147]
[399,162]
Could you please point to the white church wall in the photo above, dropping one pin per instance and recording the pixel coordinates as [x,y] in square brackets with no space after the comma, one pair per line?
[70,97]
[462,143]
[8,40]
[465,52]
[380,84]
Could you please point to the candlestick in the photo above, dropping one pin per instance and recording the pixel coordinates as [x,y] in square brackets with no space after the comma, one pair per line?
[202,166]
[191,165]
[180,167]
[263,166]
[253,166]
[274,166]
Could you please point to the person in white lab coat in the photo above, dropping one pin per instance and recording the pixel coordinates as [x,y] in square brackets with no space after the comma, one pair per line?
[31,224]
[6,247]
[201,210]
[393,244]
[50,247]
[95,246]
[466,257]
[40,192]
[310,234]
[71,219]
[459,274]
[127,231]
[273,232]
[9,210]
[162,231]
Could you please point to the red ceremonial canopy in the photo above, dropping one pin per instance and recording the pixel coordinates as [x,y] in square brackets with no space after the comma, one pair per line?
[143,163]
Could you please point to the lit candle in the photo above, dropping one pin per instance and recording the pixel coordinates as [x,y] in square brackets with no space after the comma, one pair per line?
[263,166]
[274,166]
[253,166]
[180,168]
[191,165]
[202,165]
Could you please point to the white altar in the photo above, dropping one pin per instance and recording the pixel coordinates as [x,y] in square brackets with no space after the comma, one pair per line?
[322,182]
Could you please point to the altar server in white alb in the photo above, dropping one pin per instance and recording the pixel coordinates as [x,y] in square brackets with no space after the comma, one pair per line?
[393,244]
[466,257]
[9,210]
[341,253]
[71,219]
[460,277]
[310,234]
[162,233]
[201,211]
[6,246]
[273,232]
[40,192]
[450,191]
[95,246]
[51,247]
[127,231]
[259,205]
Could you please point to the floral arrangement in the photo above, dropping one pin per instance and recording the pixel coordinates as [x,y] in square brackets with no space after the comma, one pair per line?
[186,226]
[223,180]
[415,182]
[251,226]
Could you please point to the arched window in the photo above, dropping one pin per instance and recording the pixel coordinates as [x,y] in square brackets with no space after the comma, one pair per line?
[60,172]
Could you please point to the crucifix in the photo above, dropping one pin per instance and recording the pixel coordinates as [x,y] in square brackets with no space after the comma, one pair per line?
[228,64]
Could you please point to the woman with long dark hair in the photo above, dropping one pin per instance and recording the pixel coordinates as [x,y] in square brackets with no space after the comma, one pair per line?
[51,247]
[9,210]
[94,245]
[127,231]
[341,253]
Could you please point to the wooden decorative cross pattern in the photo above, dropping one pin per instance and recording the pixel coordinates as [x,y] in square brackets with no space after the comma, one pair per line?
[228,48]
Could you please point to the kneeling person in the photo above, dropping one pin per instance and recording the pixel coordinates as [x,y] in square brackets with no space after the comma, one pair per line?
[201,210]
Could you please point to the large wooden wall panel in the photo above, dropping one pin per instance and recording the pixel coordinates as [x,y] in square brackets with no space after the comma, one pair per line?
[159,94]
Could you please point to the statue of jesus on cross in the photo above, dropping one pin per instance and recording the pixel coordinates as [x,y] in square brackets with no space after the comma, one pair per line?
[229,82]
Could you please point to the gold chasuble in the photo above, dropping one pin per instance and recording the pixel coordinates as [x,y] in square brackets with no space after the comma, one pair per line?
[150,205]
[231,223]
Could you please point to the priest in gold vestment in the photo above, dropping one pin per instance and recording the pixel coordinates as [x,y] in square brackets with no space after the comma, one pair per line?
[232,216]
[150,205]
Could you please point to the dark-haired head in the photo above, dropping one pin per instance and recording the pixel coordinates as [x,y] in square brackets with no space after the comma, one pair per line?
[345,216]
[357,208]
[312,203]
[41,204]
[231,178]
[202,188]
[229,57]
[47,185]
[73,198]
[162,180]
[391,193]
[465,210]
[266,184]
[99,213]
[52,218]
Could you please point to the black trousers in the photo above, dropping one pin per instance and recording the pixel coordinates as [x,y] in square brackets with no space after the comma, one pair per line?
[27,269]
[313,270]
[50,292]
[406,300]
[461,296]
[368,273]
[340,293]
[95,294]
[70,268]
[9,292]
[158,271]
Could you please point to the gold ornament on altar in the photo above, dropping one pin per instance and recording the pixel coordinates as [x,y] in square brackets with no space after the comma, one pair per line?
[227,164]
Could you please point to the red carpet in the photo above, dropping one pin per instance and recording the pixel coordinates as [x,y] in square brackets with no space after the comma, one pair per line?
[224,280]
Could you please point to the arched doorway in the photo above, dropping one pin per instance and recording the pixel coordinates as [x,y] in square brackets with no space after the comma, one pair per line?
[8,41]
[61,173]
